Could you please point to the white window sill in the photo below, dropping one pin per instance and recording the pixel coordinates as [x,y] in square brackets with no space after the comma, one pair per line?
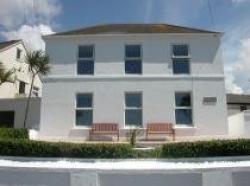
[81,128]
[184,127]
[133,127]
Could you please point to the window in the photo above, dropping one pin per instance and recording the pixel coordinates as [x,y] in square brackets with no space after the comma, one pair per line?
[85,64]
[21,87]
[133,61]
[84,109]
[183,108]
[18,53]
[35,91]
[181,64]
[133,109]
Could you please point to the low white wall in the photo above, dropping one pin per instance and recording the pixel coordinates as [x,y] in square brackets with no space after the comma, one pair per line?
[236,124]
[199,174]
[239,124]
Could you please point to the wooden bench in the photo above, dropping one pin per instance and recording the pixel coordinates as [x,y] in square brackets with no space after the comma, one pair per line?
[160,128]
[104,129]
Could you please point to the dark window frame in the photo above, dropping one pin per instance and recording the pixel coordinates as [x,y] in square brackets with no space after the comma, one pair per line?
[184,106]
[138,108]
[137,67]
[178,60]
[86,109]
[21,87]
[89,61]
[18,53]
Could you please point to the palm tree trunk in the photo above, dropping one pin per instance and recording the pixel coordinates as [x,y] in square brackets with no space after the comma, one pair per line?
[28,102]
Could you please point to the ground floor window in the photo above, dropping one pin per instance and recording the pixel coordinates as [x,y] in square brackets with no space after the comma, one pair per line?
[133,109]
[84,109]
[35,91]
[183,108]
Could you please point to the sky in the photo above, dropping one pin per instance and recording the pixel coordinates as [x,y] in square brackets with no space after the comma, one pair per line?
[29,19]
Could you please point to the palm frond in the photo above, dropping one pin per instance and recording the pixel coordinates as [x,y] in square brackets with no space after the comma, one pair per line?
[6,75]
[38,62]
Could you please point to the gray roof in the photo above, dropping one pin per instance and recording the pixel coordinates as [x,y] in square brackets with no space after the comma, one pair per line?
[8,43]
[238,99]
[133,28]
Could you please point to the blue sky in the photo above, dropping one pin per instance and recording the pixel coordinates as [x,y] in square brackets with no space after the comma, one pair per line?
[28,19]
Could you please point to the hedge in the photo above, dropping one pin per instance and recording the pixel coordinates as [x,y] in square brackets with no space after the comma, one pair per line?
[11,133]
[239,147]
[51,149]
[29,148]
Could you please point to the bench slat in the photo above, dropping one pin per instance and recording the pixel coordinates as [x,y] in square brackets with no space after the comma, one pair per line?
[160,128]
[104,128]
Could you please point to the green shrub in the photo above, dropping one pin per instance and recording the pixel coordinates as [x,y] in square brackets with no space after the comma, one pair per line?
[212,148]
[11,133]
[51,149]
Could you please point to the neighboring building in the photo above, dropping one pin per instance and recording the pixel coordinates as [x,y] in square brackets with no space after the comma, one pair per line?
[237,103]
[239,115]
[12,112]
[13,96]
[12,54]
[133,74]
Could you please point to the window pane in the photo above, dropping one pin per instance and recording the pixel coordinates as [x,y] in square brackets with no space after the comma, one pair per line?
[180,50]
[183,116]
[86,51]
[133,67]
[133,100]
[84,117]
[84,101]
[85,67]
[133,51]
[133,117]
[181,66]
[182,99]
[21,87]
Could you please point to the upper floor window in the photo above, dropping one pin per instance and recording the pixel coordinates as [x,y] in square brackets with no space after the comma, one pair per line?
[133,109]
[21,87]
[133,59]
[84,109]
[181,63]
[18,53]
[183,108]
[85,64]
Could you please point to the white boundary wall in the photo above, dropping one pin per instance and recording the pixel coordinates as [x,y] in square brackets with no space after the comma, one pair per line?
[146,173]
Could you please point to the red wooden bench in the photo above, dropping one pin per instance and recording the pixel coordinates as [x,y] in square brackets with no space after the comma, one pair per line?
[104,129]
[160,128]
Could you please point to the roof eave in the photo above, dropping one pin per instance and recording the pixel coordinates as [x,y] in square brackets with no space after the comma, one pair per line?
[220,34]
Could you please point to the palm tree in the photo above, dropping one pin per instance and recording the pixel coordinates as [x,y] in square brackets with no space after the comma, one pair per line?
[6,75]
[38,63]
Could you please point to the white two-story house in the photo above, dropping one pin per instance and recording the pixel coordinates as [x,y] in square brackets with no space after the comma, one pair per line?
[133,74]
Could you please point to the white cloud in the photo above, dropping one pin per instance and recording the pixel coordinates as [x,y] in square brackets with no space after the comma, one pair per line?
[17,12]
[28,20]
[240,1]
[237,64]
[31,35]
[231,86]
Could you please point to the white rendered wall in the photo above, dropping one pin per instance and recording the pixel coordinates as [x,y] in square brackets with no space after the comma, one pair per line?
[156,50]
[157,83]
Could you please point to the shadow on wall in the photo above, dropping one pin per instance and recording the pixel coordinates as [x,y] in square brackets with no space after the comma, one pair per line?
[13,111]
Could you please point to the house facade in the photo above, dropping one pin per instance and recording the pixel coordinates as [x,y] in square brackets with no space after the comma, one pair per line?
[134,74]
[12,56]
